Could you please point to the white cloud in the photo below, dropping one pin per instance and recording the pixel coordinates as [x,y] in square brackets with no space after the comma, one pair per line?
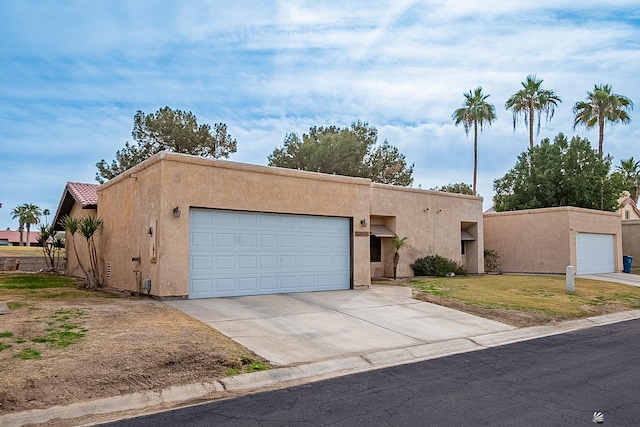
[76,72]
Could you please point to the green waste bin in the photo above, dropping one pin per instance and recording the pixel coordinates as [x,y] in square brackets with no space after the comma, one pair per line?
[626,263]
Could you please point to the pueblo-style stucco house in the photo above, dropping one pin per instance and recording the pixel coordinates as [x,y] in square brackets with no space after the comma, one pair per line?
[184,226]
[550,239]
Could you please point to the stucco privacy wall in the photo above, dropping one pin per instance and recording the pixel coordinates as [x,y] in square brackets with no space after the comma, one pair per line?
[432,222]
[144,197]
[631,240]
[544,240]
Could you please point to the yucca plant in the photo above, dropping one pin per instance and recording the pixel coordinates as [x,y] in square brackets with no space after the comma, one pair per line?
[88,226]
[397,243]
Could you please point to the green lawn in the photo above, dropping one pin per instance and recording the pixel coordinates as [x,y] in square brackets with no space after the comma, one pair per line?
[539,295]
[17,287]
[23,251]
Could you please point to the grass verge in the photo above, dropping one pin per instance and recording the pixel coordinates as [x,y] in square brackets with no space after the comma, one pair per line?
[526,300]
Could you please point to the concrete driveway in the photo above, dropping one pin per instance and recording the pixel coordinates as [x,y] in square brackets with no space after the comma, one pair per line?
[316,326]
[625,278]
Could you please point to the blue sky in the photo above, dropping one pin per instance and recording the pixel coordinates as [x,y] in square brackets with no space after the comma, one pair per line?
[73,74]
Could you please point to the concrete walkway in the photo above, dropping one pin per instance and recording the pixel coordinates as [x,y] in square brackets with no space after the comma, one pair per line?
[315,326]
[625,278]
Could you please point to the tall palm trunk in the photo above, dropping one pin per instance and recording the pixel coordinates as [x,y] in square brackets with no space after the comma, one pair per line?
[600,133]
[28,235]
[531,113]
[475,154]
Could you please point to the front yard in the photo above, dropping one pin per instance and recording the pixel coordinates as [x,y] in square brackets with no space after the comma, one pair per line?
[61,344]
[525,300]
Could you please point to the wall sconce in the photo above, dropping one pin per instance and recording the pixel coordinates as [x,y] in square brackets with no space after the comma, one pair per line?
[176,212]
[363,222]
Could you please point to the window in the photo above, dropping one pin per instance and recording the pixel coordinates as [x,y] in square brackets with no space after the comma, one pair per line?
[626,214]
[375,248]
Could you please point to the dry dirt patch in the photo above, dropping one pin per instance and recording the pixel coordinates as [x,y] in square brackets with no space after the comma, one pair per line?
[130,345]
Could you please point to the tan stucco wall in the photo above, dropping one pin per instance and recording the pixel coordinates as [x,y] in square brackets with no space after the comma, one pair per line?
[631,240]
[129,205]
[72,268]
[144,197]
[544,240]
[432,221]
[628,212]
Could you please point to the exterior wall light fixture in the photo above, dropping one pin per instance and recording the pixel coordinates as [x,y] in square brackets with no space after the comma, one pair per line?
[176,212]
[363,222]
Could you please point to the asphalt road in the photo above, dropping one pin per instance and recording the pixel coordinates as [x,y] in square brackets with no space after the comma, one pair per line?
[555,381]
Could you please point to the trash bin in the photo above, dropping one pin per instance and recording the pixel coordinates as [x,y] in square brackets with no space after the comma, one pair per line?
[626,263]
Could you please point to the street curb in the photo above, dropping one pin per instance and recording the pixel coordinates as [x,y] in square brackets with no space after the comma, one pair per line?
[309,372]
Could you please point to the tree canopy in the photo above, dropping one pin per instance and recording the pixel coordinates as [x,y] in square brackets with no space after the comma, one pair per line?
[559,173]
[629,170]
[351,151]
[26,214]
[168,130]
[458,187]
[532,99]
[600,106]
[475,112]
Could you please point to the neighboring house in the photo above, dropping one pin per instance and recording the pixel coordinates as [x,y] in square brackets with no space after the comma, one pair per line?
[12,238]
[628,208]
[78,200]
[185,226]
[548,240]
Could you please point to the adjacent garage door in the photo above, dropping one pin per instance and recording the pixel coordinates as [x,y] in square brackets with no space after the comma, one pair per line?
[236,253]
[595,253]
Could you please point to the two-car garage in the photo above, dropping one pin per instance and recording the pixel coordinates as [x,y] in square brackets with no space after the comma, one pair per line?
[235,253]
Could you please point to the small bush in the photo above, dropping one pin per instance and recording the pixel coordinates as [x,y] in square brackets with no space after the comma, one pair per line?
[435,265]
[491,258]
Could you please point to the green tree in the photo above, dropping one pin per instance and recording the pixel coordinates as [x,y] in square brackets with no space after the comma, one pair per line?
[349,151]
[559,173]
[531,101]
[475,112]
[26,214]
[630,171]
[19,213]
[398,243]
[600,106]
[168,130]
[46,213]
[459,187]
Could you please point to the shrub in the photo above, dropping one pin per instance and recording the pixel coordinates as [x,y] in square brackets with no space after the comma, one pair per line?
[435,265]
[491,258]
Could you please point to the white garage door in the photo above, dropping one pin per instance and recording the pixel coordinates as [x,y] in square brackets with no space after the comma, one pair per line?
[236,253]
[595,253]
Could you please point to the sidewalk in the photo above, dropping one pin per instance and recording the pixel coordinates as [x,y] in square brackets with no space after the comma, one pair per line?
[103,410]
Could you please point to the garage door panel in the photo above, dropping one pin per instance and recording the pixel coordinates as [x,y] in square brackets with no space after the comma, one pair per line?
[595,253]
[247,253]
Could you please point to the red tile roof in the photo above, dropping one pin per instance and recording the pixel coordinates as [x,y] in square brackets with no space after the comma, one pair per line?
[85,194]
[14,236]
[80,193]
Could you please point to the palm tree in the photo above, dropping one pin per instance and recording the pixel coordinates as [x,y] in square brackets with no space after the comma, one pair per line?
[532,99]
[630,170]
[32,216]
[474,111]
[397,243]
[599,107]
[19,213]
[46,213]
